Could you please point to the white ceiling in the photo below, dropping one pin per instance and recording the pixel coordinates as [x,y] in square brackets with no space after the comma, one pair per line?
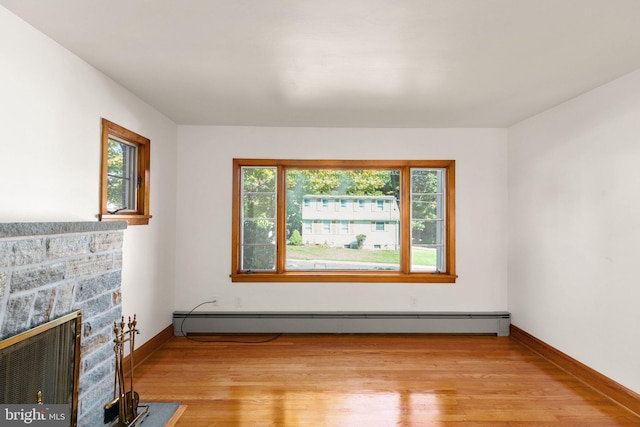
[348,63]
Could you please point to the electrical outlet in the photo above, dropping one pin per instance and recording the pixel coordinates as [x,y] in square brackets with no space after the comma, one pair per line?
[215,301]
[413,301]
[238,302]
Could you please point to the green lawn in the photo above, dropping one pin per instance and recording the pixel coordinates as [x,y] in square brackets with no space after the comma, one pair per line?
[312,252]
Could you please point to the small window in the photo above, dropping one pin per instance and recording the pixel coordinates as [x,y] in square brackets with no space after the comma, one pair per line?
[124,180]
[379,226]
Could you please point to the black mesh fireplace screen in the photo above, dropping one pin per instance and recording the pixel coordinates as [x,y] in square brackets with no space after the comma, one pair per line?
[43,361]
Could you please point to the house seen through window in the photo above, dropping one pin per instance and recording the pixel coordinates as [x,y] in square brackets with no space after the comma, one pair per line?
[343,221]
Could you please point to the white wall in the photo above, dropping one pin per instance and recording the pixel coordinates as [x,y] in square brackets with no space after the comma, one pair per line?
[51,103]
[574,214]
[204,217]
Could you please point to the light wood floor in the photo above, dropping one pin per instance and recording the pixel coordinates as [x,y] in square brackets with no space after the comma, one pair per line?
[369,381]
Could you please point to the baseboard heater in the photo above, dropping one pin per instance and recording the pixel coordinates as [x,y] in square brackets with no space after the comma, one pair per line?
[491,323]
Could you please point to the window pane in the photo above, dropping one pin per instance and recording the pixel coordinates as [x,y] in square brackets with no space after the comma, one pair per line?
[425,181]
[259,180]
[116,196]
[426,232]
[116,158]
[258,257]
[348,210]
[258,234]
[426,206]
[259,206]
[122,176]
[427,220]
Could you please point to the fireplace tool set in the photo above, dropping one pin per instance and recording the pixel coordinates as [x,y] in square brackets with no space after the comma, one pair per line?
[124,409]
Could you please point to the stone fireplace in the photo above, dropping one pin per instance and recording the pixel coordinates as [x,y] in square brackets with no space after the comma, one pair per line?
[48,270]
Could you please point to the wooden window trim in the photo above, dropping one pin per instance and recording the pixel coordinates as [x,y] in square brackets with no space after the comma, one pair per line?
[142,215]
[404,275]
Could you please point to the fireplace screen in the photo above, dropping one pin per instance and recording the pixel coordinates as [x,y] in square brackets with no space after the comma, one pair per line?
[43,363]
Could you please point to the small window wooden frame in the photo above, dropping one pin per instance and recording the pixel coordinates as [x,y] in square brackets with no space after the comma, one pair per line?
[404,275]
[141,215]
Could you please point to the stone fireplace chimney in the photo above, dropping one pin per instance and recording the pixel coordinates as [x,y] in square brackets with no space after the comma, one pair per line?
[48,270]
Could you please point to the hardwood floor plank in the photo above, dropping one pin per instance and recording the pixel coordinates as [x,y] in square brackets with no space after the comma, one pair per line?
[370,380]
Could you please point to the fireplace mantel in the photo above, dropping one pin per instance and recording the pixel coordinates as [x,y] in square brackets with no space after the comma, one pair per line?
[21,229]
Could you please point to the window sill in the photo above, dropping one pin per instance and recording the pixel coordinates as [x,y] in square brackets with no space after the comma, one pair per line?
[344,276]
[131,219]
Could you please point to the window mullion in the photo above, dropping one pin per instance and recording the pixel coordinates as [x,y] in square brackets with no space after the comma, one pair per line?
[281,218]
[405,220]
[236,209]
[450,242]
[137,184]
